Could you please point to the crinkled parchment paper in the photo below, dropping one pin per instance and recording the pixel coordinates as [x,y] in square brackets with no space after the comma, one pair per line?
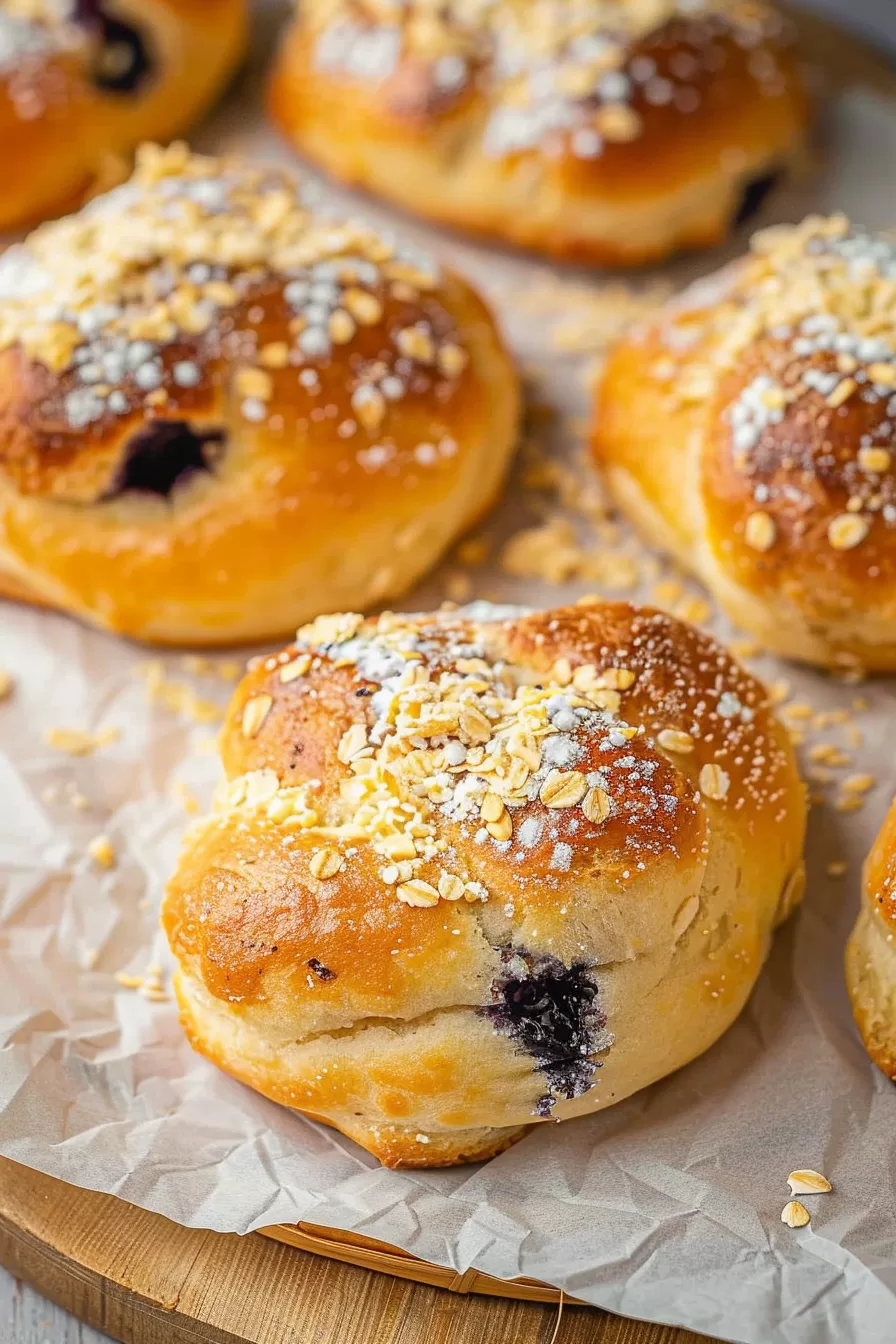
[665,1207]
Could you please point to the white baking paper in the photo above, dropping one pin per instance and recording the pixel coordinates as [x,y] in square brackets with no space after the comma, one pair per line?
[666,1207]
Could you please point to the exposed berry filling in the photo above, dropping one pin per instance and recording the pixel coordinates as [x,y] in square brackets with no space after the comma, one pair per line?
[550,1011]
[754,195]
[164,454]
[124,61]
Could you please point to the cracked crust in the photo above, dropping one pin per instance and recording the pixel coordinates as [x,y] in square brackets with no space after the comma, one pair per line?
[328,992]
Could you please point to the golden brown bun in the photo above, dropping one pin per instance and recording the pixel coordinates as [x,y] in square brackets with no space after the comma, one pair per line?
[613,133]
[474,870]
[749,430]
[199,443]
[871,952]
[82,81]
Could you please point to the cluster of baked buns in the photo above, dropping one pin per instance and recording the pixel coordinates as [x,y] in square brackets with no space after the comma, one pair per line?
[472,870]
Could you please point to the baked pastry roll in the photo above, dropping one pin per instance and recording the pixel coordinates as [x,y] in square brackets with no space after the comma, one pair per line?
[748,429]
[222,412]
[470,871]
[871,952]
[84,80]
[614,132]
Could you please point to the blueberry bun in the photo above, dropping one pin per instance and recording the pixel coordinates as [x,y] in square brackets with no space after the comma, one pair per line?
[470,872]
[748,429]
[222,412]
[83,81]
[606,131]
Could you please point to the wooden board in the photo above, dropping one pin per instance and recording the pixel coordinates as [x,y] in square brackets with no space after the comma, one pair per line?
[145,1280]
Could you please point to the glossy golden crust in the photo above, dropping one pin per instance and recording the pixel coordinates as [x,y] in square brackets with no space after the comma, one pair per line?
[630,825]
[399,423]
[871,952]
[644,143]
[68,106]
[761,451]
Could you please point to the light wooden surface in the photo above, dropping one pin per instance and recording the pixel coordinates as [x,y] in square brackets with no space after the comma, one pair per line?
[148,1281]
[28,1318]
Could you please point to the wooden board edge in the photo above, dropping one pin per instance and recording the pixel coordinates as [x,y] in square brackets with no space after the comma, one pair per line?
[385,1259]
[98,1300]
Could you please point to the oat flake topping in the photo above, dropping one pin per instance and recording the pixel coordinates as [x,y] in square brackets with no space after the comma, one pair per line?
[821,298]
[34,29]
[148,289]
[456,733]
[553,66]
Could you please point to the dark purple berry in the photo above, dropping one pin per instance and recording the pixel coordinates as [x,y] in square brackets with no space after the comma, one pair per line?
[164,454]
[550,1011]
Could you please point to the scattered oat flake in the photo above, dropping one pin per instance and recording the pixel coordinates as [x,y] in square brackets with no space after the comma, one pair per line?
[667,592]
[795,1214]
[149,985]
[77,742]
[797,710]
[6,684]
[128,981]
[255,711]
[808,1182]
[298,667]
[186,797]
[418,893]
[745,648]
[760,531]
[588,322]
[848,530]
[177,696]
[102,852]
[826,753]
[828,718]
[325,863]
[714,782]
[670,739]
[563,788]
[694,609]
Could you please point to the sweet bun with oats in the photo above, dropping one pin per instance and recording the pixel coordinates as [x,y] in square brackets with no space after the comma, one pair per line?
[750,430]
[221,413]
[614,132]
[474,870]
[84,81]
[871,952]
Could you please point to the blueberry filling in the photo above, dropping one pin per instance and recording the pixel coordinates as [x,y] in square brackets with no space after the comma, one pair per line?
[753,196]
[163,455]
[123,61]
[550,1011]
